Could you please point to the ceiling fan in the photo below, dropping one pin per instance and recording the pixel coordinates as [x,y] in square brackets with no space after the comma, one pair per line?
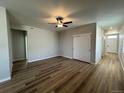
[60,22]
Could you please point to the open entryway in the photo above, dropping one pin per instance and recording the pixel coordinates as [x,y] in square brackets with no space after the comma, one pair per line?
[19,45]
[111,43]
[19,48]
[82,47]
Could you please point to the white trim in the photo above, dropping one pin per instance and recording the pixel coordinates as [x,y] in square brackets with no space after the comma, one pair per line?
[98,62]
[67,57]
[29,61]
[93,63]
[6,79]
[121,62]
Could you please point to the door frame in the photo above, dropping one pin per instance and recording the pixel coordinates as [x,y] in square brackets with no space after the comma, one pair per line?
[79,35]
[117,42]
[26,42]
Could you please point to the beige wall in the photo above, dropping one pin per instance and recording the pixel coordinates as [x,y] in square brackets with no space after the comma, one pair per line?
[66,40]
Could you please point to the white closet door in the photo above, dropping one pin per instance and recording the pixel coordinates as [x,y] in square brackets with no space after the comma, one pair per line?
[82,47]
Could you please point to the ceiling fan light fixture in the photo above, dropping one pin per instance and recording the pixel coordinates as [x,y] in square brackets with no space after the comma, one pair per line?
[60,25]
[60,22]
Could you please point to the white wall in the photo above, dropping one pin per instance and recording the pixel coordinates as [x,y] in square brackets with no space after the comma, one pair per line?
[10,42]
[5,59]
[66,40]
[99,44]
[121,46]
[42,44]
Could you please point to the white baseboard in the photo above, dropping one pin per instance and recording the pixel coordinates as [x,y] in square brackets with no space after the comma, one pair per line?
[34,60]
[6,79]
[73,58]
[67,57]
[97,62]
[121,62]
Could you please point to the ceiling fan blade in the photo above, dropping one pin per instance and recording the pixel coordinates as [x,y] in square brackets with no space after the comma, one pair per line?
[65,25]
[67,22]
[61,21]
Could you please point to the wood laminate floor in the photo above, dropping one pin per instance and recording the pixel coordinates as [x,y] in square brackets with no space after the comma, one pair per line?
[62,75]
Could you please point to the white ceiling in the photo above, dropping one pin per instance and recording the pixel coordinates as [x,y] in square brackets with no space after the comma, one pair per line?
[39,13]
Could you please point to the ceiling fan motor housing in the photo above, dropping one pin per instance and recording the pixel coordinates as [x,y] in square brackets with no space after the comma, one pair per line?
[59,18]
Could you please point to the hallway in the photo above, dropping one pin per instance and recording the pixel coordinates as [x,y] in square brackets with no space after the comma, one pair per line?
[108,77]
[62,75]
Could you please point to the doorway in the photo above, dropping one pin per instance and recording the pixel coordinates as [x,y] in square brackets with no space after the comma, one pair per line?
[82,47]
[111,43]
[19,45]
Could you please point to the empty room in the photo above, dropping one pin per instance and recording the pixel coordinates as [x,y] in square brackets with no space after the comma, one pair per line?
[61,46]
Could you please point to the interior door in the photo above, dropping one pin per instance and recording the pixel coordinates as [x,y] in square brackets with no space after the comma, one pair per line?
[82,47]
[111,43]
